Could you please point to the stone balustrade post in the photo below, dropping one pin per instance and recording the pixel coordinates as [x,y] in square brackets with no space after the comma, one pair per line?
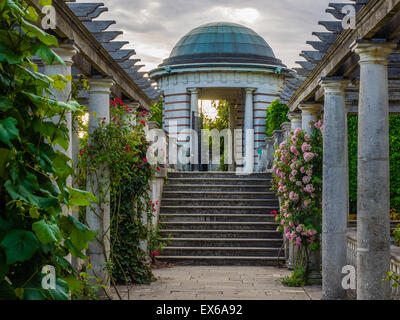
[373,200]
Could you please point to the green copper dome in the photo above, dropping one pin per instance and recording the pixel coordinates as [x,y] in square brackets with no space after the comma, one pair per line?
[222,42]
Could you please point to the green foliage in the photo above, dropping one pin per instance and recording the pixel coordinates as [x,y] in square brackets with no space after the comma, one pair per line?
[156,112]
[394,142]
[122,148]
[298,278]
[220,123]
[33,174]
[297,179]
[276,115]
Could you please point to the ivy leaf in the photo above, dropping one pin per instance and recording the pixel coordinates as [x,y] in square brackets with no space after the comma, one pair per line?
[46,232]
[8,130]
[46,53]
[5,104]
[33,31]
[12,5]
[3,267]
[81,198]
[32,14]
[73,283]
[74,251]
[19,245]
[7,291]
[4,157]
[35,291]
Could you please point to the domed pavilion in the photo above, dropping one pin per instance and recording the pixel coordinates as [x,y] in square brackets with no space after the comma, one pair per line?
[221,61]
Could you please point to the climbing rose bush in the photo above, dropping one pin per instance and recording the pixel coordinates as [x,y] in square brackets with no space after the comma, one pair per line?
[297,180]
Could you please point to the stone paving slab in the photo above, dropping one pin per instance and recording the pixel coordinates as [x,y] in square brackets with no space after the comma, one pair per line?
[219,283]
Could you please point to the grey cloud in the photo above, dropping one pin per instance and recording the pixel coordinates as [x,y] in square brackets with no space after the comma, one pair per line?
[156,25]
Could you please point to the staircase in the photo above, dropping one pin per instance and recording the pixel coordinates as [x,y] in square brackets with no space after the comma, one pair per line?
[219,218]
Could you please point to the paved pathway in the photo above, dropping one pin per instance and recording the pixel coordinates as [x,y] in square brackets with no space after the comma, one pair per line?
[219,283]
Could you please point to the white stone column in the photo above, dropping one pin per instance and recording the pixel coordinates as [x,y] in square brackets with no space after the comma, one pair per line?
[194,113]
[309,113]
[98,182]
[232,124]
[66,53]
[295,120]
[335,192]
[373,201]
[249,131]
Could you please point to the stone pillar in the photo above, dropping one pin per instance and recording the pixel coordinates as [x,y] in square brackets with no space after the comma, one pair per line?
[249,131]
[373,203]
[335,192]
[194,113]
[309,113]
[295,120]
[98,182]
[66,53]
[232,124]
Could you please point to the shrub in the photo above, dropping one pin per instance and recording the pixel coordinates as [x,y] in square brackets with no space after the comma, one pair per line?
[276,115]
[297,179]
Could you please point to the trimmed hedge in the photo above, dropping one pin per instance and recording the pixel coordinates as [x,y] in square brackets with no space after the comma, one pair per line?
[276,115]
[394,140]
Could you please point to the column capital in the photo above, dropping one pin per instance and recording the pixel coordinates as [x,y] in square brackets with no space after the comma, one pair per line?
[310,108]
[100,85]
[294,115]
[372,51]
[334,86]
[193,90]
[66,52]
[250,90]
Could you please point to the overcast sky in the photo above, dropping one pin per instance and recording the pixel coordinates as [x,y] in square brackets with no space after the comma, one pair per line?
[153,27]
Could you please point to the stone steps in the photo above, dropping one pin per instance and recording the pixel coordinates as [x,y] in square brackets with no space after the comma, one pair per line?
[217,209]
[219,202]
[177,217]
[218,195]
[217,174]
[220,260]
[219,218]
[215,188]
[219,225]
[184,233]
[224,242]
[221,181]
[220,251]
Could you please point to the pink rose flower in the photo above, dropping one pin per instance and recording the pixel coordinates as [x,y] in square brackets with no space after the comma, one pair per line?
[305,147]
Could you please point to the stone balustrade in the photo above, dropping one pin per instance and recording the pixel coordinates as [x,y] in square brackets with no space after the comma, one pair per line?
[352,257]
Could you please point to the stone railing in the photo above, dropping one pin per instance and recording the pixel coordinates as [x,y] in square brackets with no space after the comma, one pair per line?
[352,256]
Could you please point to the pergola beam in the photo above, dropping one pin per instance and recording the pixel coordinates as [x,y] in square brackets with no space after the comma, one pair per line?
[371,18]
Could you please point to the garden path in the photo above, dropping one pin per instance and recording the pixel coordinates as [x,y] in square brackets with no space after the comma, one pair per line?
[219,283]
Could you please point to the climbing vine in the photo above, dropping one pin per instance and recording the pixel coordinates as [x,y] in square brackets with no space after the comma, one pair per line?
[35,197]
[120,146]
[297,179]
